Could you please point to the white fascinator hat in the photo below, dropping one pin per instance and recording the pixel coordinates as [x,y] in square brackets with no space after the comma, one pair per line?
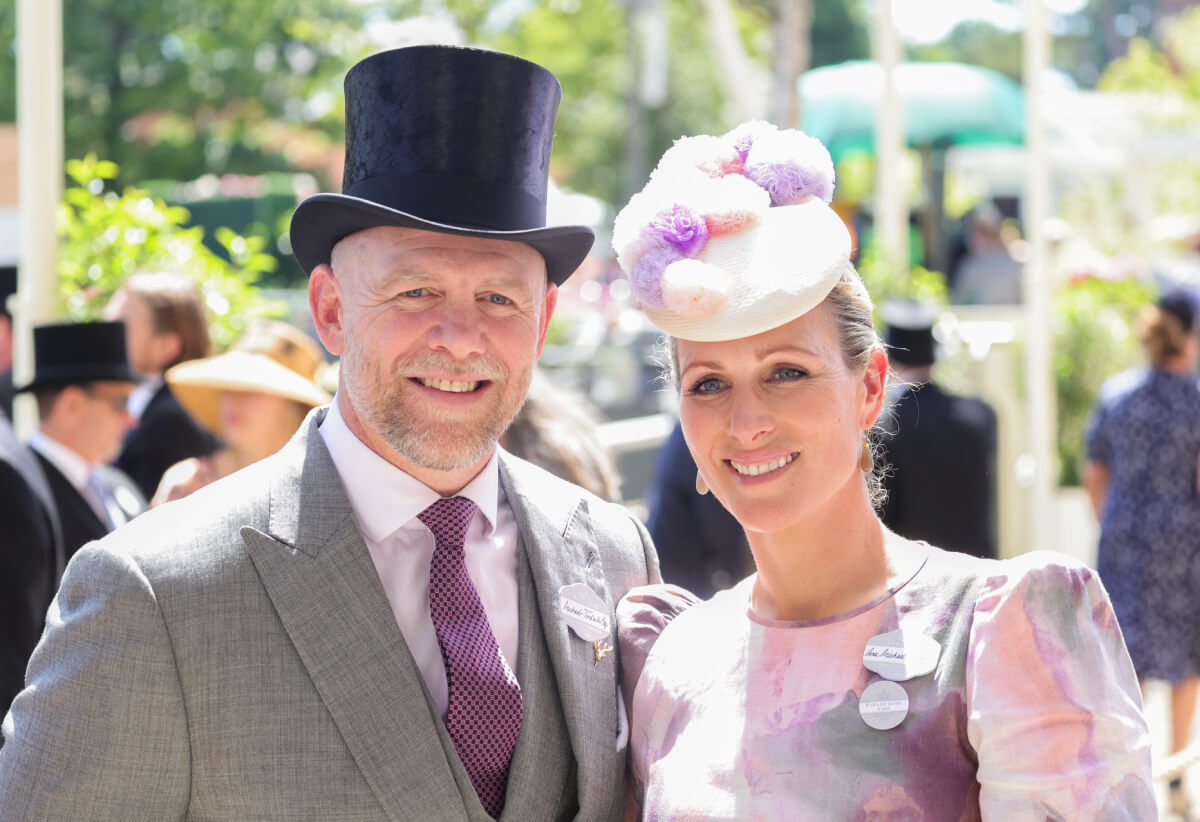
[733,235]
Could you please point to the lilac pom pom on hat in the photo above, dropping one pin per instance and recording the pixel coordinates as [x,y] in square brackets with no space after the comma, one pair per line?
[733,235]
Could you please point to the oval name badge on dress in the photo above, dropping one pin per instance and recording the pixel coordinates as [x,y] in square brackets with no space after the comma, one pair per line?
[883,705]
[899,655]
[585,612]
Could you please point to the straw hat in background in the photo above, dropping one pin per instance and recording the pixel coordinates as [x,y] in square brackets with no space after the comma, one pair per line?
[271,357]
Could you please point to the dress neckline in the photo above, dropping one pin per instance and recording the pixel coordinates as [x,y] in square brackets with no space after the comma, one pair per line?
[742,592]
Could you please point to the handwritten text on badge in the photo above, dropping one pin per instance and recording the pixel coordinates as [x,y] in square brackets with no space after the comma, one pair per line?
[899,655]
[585,612]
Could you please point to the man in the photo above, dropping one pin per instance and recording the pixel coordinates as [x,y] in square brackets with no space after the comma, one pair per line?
[165,324]
[31,558]
[8,287]
[82,382]
[390,618]
[940,448]
[700,544]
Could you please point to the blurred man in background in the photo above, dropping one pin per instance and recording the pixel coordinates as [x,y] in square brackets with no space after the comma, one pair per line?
[31,558]
[82,381]
[941,448]
[8,287]
[165,324]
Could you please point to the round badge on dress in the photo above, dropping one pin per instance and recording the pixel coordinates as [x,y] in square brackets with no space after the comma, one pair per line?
[883,705]
[899,655]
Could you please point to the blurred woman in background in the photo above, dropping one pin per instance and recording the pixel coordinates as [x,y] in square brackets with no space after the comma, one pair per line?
[1143,448]
[253,397]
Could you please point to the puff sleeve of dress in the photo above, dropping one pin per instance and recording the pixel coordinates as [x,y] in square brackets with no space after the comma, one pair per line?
[642,615]
[1053,705]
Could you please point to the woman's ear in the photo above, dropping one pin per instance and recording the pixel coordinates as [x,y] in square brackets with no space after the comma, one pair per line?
[875,388]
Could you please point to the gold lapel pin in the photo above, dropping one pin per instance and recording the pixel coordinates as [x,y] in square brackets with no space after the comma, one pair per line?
[601,649]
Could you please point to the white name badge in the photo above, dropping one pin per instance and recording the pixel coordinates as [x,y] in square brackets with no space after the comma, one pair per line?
[585,612]
[883,705]
[900,656]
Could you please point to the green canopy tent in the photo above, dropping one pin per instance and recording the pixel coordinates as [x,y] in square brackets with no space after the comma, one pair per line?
[944,104]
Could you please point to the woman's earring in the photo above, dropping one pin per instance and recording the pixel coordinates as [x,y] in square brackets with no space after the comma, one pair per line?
[866,462]
[701,485]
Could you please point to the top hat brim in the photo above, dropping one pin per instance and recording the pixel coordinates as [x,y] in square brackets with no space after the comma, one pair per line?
[78,374]
[323,220]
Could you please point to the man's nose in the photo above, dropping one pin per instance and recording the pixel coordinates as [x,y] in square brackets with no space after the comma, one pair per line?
[457,330]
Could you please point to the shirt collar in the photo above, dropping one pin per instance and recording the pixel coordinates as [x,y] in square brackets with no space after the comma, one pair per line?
[72,466]
[141,395]
[383,497]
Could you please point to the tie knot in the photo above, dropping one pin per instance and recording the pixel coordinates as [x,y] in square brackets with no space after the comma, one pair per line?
[448,519]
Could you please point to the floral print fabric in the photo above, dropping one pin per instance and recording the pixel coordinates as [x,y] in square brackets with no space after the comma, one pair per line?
[1032,712]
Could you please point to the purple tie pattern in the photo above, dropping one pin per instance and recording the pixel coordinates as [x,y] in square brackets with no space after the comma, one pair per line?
[483,712]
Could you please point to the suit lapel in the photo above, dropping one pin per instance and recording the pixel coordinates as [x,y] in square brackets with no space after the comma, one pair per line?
[29,465]
[561,551]
[324,586]
[541,765]
[80,524]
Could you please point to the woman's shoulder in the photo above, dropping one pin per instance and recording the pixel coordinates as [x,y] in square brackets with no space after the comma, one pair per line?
[645,613]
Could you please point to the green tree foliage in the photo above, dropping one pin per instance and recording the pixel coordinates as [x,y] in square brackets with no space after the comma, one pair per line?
[980,44]
[1093,338]
[1094,315]
[107,235]
[175,90]
[587,45]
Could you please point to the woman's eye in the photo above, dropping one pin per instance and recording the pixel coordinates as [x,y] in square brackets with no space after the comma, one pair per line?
[789,373]
[707,386]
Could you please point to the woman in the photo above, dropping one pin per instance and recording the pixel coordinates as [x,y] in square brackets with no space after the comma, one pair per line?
[253,397]
[857,675]
[1143,448]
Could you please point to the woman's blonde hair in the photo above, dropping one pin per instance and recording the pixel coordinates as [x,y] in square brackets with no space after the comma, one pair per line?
[852,313]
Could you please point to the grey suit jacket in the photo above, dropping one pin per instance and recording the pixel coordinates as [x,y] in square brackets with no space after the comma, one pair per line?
[233,656]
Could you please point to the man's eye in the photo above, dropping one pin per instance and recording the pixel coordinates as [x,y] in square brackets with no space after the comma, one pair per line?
[413,292]
[499,299]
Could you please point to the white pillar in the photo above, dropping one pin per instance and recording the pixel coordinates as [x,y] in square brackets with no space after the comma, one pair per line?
[1037,288]
[40,147]
[891,208]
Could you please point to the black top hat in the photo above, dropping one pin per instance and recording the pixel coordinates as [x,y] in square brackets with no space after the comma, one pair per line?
[75,353]
[909,335]
[8,286]
[448,139]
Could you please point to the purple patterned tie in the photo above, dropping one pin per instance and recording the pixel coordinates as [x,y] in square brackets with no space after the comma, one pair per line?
[483,711]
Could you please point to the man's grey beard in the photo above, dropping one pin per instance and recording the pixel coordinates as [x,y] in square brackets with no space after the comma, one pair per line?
[381,406]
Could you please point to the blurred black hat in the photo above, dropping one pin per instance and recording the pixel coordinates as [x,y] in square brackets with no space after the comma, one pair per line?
[909,336]
[75,353]
[1180,302]
[8,286]
[448,139]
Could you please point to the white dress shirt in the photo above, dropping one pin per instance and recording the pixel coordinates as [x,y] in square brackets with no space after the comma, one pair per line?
[386,502]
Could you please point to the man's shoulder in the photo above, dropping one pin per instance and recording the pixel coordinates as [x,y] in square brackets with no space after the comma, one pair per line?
[554,496]
[203,527]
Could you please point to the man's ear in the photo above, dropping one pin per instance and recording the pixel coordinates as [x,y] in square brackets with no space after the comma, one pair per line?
[325,303]
[548,304]
[875,386]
